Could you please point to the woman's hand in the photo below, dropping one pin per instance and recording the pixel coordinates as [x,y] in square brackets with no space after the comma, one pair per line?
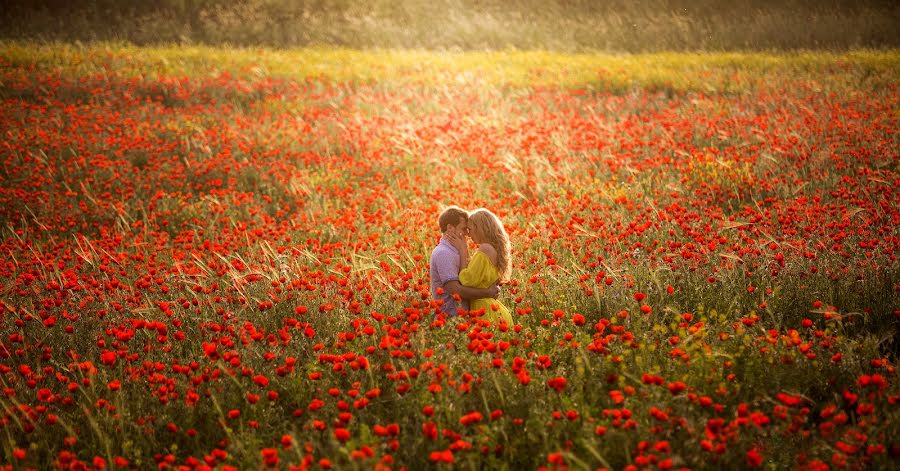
[458,241]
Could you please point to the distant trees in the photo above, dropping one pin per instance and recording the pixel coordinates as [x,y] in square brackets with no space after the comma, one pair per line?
[568,25]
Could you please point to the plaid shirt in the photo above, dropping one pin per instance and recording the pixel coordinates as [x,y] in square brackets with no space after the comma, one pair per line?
[445,267]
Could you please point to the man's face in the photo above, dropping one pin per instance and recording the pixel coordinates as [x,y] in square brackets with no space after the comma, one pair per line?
[462,228]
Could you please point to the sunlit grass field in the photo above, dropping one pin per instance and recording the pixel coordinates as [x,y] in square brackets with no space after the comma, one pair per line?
[710,72]
[218,258]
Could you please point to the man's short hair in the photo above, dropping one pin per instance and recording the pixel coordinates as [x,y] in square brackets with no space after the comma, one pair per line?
[452,216]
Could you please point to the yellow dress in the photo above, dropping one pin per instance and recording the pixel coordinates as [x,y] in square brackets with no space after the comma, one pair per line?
[481,273]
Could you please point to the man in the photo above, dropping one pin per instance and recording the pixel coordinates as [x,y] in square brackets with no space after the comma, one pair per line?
[445,265]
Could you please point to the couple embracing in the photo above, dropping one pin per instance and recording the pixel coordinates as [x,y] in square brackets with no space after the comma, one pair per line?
[468,283]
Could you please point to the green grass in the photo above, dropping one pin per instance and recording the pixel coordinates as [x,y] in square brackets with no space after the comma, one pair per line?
[330,163]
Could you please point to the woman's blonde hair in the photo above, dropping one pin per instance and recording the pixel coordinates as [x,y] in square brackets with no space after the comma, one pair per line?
[489,225]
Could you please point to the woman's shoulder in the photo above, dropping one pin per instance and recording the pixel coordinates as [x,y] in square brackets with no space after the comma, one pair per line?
[489,251]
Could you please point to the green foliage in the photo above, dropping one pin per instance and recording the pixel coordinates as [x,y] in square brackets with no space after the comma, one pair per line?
[269,203]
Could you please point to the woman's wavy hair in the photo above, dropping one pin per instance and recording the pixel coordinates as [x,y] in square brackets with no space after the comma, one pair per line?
[489,225]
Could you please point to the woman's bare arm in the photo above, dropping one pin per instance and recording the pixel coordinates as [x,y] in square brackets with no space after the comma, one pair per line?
[490,251]
[459,242]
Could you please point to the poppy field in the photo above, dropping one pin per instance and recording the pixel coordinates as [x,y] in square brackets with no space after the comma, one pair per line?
[218,259]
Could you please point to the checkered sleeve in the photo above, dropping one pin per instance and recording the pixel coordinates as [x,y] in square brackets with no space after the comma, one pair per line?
[446,264]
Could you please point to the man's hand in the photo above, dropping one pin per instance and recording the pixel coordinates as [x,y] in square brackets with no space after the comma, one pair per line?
[467,293]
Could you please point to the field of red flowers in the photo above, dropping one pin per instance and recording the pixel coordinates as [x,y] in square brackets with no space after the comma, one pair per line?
[217,268]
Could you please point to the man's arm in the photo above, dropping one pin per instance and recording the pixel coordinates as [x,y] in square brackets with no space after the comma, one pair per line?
[465,292]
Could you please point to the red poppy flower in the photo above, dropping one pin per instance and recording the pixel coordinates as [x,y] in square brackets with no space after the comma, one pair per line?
[558,383]
[342,434]
[676,387]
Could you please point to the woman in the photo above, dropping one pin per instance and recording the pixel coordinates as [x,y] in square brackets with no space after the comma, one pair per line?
[490,264]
